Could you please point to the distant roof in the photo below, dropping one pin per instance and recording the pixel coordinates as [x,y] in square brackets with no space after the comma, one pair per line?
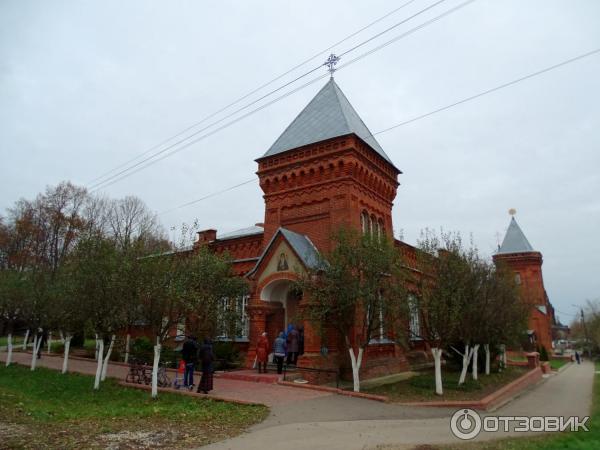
[329,114]
[242,232]
[514,240]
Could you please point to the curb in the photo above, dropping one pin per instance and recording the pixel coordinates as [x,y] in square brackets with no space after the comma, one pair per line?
[497,398]
[378,398]
[217,398]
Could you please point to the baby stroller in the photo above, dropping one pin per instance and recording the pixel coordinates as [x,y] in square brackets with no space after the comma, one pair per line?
[178,382]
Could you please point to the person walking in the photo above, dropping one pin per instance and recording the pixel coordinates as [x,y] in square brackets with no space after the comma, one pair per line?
[206,359]
[189,354]
[578,357]
[279,352]
[293,338]
[262,353]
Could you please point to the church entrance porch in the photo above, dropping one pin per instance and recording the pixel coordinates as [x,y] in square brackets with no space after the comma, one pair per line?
[283,307]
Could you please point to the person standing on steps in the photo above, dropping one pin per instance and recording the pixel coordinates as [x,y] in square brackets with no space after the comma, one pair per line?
[189,354]
[206,359]
[293,338]
[279,352]
[262,353]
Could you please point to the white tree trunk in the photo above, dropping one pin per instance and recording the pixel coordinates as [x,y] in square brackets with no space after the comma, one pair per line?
[157,349]
[466,358]
[107,358]
[26,339]
[502,357]
[9,349]
[127,344]
[437,358]
[486,347]
[66,354]
[49,341]
[37,343]
[356,363]
[62,337]
[475,368]
[99,352]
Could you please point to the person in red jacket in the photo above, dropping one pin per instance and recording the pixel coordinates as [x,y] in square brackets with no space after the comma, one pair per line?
[262,353]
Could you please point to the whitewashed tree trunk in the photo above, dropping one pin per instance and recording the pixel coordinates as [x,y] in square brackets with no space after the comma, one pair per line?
[9,349]
[466,358]
[26,339]
[502,357]
[49,341]
[475,372]
[99,352]
[97,346]
[356,363]
[67,341]
[62,337]
[437,358]
[157,349]
[107,358]
[127,344]
[37,343]
[486,347]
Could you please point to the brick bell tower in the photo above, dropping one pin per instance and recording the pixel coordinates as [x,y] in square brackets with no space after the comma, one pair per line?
[325,171]
[519,256]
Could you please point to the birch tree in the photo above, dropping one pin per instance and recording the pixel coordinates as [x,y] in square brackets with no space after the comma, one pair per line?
[359,290]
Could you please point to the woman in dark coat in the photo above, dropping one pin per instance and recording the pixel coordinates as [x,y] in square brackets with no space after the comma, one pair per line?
[206,359]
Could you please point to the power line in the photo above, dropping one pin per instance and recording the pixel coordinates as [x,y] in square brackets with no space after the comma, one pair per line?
[489,91]
[150,160]
[422,116]
[254,91]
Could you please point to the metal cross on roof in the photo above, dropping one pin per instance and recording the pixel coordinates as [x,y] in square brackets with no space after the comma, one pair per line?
[331,62]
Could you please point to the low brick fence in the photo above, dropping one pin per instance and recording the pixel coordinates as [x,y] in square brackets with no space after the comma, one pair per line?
[493,400]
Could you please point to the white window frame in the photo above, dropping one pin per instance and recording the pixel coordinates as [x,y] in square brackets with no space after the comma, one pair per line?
[414,324]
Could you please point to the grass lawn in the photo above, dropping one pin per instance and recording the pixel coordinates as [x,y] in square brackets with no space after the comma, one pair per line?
[45,409]
[15,339]
[421,387]
[557,363]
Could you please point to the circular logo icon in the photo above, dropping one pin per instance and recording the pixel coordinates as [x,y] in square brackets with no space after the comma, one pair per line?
[465,424]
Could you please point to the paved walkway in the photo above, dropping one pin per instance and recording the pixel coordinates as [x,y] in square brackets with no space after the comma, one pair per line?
[302,418]
[271,395]
[346,423]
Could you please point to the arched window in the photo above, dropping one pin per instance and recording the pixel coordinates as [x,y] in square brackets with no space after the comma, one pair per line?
[364,222]
[381,229]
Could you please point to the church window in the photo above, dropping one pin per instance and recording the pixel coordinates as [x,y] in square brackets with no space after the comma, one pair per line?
[229,311]
[414,326]
[364,222]
[517,278]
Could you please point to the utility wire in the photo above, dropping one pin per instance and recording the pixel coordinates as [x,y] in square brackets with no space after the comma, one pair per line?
[422,116]
[489,91]
[254,91]
[151,159]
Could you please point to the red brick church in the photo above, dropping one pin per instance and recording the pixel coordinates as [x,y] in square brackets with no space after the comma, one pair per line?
[326,170]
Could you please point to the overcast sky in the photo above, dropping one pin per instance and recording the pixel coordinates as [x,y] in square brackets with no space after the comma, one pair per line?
[85,86]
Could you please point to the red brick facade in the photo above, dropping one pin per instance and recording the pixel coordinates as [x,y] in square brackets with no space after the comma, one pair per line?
[527,268]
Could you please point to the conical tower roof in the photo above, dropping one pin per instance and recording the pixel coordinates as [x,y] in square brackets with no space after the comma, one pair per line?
[515,240]
[329,114]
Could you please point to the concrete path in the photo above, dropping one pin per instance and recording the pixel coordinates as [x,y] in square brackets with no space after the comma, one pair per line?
[271,395]
[302,418]
[346,423]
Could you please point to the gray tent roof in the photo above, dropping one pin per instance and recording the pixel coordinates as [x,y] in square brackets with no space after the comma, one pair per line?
[301,244]
[329,114]
[514,240]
